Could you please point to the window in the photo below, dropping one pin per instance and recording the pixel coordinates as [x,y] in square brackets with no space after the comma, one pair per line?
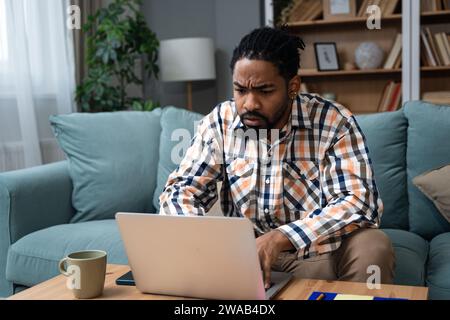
[3,43]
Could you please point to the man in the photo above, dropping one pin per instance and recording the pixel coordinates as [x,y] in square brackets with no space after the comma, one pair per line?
[304,178]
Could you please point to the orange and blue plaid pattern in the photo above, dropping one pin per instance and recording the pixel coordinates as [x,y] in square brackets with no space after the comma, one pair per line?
[313,180]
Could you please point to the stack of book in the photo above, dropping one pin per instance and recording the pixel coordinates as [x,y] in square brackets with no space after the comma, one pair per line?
[391,98]
[387,7]
[434,5]
[435,48]
[438,97]
[304,10]
[394,59]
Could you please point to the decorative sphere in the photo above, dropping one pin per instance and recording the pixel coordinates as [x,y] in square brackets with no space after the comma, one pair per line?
[369,55]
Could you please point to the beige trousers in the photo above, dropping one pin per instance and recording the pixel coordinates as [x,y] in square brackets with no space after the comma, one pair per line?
[350,262]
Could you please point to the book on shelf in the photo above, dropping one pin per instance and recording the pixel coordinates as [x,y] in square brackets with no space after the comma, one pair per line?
[387,7]
[430,59]
[305,10]
[424,57]
[395,54]
[390,7]
[391,97]
[382,104]
[435,48]
[398,62]
[434,5]
[315,11]
[446,39]
[437,97]
[382,7]
[365,4]
[395,99]
[440,39]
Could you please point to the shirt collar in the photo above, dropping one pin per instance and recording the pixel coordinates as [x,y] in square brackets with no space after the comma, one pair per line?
[299,116]
[301,112]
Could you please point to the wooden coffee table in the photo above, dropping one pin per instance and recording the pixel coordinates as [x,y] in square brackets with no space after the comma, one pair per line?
[297,289]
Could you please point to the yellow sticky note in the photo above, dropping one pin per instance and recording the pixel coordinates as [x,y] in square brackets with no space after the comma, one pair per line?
[352,297]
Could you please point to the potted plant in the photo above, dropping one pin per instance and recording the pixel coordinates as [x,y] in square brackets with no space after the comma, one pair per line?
[118,39]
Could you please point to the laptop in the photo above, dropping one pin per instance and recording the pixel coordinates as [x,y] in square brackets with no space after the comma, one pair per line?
[195,256]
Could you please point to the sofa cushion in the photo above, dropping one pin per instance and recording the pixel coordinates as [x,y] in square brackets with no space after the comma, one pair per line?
[438,277]
[435,185]
[178,128]
[386,139]
[411,252]
[112,161]
[428,148]
[35,257]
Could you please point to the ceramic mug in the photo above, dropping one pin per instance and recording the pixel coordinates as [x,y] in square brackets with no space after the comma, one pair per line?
[86,271]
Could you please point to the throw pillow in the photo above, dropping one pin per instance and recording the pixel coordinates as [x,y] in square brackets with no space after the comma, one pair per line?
[112,160]
[435,185]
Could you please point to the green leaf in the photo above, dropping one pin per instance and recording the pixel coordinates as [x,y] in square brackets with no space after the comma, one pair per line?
[105,57]
[115,43]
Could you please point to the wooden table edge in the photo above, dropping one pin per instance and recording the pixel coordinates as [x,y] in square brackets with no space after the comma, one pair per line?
[297,289]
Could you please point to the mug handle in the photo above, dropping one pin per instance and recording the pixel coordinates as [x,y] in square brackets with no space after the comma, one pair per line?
[62,267]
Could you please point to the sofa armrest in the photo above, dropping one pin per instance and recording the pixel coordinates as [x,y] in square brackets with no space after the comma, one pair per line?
[30,200]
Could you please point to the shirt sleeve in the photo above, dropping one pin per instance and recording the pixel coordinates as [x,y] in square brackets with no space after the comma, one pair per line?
[351,195]
[192,188]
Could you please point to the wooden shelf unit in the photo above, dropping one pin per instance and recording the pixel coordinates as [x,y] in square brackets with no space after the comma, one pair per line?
[352,21]
[436,69]
[358,90]
[435,17]
[343,73]
[435,78]
[361,90]
[426,17]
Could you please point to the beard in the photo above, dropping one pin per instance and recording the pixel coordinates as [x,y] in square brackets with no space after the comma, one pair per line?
[256,120]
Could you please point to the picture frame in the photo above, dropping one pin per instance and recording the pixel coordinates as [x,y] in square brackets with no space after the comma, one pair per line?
[339,9]
[327,58]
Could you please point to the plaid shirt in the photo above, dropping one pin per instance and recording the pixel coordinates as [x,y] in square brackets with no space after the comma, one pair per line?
[312,180]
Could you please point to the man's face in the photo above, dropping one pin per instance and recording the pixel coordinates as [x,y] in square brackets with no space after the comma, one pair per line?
[261,94]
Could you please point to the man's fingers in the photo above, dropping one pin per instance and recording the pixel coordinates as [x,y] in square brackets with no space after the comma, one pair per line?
[267,274]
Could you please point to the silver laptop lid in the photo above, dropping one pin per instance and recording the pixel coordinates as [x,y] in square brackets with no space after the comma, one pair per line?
[191,256]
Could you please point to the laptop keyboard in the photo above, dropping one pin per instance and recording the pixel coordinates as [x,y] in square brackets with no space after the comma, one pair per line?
[270,286]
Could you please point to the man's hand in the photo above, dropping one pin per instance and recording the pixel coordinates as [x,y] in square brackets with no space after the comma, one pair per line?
[269,247]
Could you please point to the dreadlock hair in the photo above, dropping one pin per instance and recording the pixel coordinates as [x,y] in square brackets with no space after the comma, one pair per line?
[274,45]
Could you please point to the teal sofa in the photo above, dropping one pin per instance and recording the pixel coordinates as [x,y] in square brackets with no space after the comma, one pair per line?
[36,205]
